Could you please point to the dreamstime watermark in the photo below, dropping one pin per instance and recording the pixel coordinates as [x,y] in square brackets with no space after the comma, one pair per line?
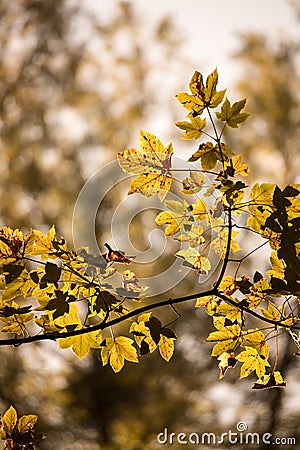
[107,182]
[239,436]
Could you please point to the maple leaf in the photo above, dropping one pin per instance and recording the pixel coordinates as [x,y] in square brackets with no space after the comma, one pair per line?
[193,236]
[192,129]
[16,323]
[202,96]
[278,266]
[143,331]
[227,337]
[37,243]
[11,242]
[199,209]
[152,165]
[210,154]
[9,421]
[273,312]
[256,339]
[116,351]
[228,285]
[220,243]
[235,166]
[232,114]
[194,259]
[252,360]
[82,343]
[175,217]
[231,312]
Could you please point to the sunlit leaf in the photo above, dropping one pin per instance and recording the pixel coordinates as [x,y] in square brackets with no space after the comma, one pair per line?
[252,361]
[219,244]
[116,351]
[152,164]
[226,337]
[194,259]
[256,339]
[192,129]
[166,347]
[9,420]
[82,344]
[232,114]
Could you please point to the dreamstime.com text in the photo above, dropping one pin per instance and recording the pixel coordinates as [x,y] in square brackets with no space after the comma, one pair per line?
[240,436]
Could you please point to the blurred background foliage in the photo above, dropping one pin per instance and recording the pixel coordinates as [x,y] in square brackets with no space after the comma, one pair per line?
[75,88]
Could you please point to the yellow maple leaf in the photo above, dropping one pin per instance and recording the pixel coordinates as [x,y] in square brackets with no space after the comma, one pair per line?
[152,165]
[227,337]
[175,217]
[199,209]
[142,332]
[273,312]
[226,360]
[82,343]
[116,351]
[238,166]
[131,282]
[194,236]
[252,361]
[256,339]
[16,323]
[192,129]
[210,302]
[278,267]
[194,259]
[230,312]
[228,285]
[36,243]
[220,243]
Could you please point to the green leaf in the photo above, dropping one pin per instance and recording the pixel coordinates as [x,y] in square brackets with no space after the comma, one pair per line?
[232,114]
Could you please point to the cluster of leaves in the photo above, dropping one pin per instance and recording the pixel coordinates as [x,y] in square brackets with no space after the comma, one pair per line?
[76,301]
[18,433]
[268,211]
